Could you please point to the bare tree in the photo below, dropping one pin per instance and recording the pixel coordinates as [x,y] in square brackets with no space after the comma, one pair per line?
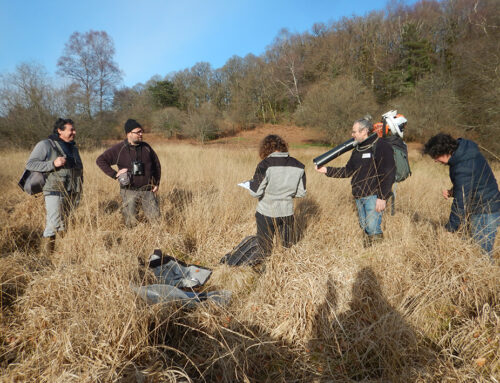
[27,104]
[203,122]
[88,60]
[287,55]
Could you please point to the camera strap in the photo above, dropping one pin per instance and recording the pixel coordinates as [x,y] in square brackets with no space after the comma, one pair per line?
[136,154]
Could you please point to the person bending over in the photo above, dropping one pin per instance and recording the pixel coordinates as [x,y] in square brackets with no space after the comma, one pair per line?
[476,199]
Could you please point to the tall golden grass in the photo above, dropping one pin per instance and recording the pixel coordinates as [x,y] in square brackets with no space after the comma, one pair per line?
[423,306]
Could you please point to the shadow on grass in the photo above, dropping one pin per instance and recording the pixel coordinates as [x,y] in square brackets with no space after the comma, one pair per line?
[179,199]
[224,350]
[369,342]
[305,211]
[109,206]
[22,238]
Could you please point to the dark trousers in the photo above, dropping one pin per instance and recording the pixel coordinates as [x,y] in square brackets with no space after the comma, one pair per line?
[149,203]
[267,227]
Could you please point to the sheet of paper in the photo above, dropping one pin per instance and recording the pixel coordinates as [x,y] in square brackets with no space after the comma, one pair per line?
[245,185]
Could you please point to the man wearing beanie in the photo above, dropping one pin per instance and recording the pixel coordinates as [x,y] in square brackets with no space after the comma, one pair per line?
[138,173]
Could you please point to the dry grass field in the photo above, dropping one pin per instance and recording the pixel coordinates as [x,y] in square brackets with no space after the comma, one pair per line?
[423,306]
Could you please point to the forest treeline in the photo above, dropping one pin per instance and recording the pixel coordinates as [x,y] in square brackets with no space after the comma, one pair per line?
[437,62]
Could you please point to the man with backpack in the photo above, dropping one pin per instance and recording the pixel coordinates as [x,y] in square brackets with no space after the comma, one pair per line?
[59,160]
[372,168]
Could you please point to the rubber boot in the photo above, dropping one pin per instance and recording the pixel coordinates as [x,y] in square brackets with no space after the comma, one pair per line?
[48,245]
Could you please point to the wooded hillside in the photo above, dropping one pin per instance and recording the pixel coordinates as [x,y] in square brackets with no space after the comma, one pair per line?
[437,62]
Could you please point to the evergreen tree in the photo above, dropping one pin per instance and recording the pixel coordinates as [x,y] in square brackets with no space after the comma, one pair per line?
[164,93]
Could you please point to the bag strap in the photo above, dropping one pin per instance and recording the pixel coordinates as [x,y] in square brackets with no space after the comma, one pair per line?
[55,145]
[374,147]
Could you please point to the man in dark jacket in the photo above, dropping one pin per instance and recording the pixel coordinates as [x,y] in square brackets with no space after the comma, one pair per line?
[139,173]
[372,169]
[58,157]
[476,198]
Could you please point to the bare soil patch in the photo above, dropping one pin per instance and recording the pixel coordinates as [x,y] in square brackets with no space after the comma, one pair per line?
[248,138]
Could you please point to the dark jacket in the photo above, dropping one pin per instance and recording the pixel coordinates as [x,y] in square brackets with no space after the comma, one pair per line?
[123,154]
[277,180]
[372,171]
[475,189]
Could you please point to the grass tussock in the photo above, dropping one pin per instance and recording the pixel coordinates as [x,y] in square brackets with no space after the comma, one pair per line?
[422,306]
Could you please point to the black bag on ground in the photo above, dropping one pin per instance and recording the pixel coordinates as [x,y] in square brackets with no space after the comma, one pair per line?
[247,253]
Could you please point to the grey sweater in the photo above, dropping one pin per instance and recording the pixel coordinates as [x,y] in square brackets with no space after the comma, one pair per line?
[277,180]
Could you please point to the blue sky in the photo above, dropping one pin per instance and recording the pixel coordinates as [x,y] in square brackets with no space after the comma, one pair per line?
[158,37]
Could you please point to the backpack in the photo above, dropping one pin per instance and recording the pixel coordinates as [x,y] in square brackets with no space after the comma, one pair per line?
[247,253]
[32,182]
[400,150]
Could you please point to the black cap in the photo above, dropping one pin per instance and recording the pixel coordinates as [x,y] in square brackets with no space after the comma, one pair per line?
[131,125]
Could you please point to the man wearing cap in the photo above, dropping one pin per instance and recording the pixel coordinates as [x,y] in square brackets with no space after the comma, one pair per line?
[138,174]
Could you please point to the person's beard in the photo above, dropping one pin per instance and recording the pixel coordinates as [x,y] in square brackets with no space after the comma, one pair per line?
[136,141]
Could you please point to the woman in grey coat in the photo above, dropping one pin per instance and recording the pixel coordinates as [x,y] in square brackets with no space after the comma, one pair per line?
[277,180]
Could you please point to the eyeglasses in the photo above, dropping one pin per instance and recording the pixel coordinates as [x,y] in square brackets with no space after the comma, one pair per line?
[138,133]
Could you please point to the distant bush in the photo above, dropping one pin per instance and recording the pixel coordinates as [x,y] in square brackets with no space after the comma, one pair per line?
[333,105]
[92,132]
[169,121]
[430,108]
[203,123]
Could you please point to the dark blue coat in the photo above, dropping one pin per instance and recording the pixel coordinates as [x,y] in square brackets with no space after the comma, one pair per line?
[475,189]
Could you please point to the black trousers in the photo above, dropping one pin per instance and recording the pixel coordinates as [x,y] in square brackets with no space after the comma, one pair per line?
[267,227]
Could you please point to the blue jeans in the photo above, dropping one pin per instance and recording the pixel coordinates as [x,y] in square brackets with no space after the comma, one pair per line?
[369,219]
[484,229]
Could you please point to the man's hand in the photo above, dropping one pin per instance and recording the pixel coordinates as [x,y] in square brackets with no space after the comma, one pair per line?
[121,171]
[322,169]
[155,189]
[380,205]
[59,161]
[447,193]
